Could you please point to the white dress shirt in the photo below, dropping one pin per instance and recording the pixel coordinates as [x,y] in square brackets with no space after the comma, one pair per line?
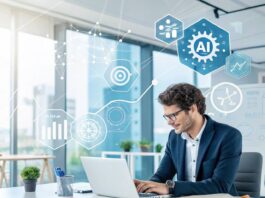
[192,148]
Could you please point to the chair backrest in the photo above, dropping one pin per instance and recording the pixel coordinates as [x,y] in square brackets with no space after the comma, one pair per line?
[248,178]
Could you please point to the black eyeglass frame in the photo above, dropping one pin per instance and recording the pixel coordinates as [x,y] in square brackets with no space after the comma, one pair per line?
[172,116]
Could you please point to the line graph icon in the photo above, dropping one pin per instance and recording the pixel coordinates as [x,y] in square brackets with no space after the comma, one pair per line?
[238,65]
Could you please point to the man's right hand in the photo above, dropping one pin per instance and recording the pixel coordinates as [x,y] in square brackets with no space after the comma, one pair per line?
[151,187]
[137,182]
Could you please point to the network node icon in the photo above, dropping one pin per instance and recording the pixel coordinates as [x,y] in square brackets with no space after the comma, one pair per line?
[120,75]
[168,29]
[204,47]
[238,65]
[226,97]
[53,128]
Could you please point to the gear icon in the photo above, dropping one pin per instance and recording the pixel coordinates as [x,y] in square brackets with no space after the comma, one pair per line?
[211,44]
[204,47]
[89,131]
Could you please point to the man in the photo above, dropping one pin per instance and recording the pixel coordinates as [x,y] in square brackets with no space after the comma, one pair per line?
[203,153]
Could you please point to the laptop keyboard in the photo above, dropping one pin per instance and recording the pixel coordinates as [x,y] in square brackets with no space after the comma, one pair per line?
[152,195]
[147,194]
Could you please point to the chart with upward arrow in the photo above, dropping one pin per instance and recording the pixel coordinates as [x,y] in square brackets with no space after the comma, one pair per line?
[238,65]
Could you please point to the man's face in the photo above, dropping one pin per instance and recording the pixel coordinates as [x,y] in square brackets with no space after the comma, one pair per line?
[179,119]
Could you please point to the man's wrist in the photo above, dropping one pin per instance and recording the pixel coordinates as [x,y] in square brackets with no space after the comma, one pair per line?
[170,184]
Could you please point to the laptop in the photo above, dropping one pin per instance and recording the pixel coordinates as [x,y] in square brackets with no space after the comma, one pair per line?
[111,177]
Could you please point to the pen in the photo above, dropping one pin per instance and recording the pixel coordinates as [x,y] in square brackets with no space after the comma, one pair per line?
[59,172]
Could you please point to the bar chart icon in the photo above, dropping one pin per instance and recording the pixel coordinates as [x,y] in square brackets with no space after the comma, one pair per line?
[168,29]
[57,131]
[53,128]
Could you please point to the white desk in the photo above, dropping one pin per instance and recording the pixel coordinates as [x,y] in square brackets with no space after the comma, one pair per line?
[48,191]
[42,191]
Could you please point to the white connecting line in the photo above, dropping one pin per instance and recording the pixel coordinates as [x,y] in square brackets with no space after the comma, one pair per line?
[154,82]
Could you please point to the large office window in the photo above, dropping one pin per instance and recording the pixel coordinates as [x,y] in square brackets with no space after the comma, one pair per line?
[5,101]
[100,72]
[5,90]
[167,70]
[35,90]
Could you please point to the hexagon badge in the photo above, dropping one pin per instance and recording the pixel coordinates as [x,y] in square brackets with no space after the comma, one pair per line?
[89,130]
[238,65]
[120,75]
[204,47]
[117,115]
[53,128]
[168,29]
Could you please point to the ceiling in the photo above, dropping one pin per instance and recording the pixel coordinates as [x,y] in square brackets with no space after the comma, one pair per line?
[231,5]
[246,28]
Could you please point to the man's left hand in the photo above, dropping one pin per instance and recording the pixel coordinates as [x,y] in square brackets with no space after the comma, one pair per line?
[152,187]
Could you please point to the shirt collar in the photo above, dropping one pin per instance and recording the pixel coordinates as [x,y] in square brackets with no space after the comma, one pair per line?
[186,136]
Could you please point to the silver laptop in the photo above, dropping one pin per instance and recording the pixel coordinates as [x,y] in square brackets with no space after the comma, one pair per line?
[110,177]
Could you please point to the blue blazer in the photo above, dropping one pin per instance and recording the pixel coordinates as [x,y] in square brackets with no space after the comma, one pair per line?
[217,163]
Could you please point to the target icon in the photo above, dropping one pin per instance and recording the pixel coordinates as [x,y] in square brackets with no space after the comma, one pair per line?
[120,76]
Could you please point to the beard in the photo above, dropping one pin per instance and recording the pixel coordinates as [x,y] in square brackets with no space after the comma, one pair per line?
[188,123]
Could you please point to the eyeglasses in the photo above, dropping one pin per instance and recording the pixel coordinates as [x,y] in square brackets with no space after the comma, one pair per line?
[172,116]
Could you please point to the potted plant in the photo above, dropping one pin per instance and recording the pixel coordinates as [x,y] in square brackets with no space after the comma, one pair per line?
[30,175]
[126,145]
[158,148]
[145,145]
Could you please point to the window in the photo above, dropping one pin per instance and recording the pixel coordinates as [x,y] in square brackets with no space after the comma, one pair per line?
[167,70]
[35,90]
[5,88]
[90,61]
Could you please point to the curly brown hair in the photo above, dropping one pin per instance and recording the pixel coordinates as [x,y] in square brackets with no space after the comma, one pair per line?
[184,96]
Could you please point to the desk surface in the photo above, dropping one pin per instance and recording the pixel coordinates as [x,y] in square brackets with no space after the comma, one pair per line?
[48,191]
[42,191]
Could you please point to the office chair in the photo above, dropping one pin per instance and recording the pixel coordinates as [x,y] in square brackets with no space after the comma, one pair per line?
[248,177]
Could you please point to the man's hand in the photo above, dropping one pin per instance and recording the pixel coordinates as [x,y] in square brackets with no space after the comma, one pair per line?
[151,187]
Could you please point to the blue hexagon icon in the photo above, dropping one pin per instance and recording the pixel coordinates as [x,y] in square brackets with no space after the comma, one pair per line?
[204,47]
[238,65]
[168,29]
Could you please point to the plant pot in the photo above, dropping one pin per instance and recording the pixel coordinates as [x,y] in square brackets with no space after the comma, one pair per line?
[127,150]
[144,149]
[30,185]
[158,148]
